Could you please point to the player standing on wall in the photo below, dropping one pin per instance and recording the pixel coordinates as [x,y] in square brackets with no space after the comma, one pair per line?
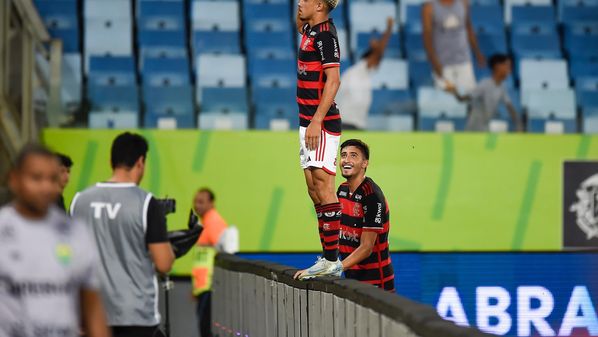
[318,80]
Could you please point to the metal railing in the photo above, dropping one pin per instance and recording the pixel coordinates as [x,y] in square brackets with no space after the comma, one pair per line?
[261,299]
[30,80]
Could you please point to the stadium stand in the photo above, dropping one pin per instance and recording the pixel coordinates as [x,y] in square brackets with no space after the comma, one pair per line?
[231,63]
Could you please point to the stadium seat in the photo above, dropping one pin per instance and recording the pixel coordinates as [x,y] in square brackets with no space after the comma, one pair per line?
[551,125]
[165,71]
[216,42]
[108,37]
[224,100]
[223,16]
[492,43]
[439,111]
[223,121]
[370,17]
[391,74]
[571,11]
[393,123]
[549,103]
[61,19]
[413,23]
[414,47]
[487,19]
[161,15]
[580,68]
[276,116]
[387,102]
[114,98]
[72,83]
[113,71]
[533,14]
[113,120]
[546,74]
[509,4]
[168,121]
[107,9]
[535,40]
[273,73]
[406,13]
[162,38]
[587,83]
[589,110]
[420,74]
[227,71]
[393,49]
[172,100]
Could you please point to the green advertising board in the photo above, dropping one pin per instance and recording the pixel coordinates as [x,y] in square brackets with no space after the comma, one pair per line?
[467,192]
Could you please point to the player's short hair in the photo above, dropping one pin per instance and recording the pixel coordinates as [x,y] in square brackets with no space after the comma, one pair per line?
[30,150]
[209,192]
[64,160]
[358,143]
[497,59]
[126,150]
[331,4]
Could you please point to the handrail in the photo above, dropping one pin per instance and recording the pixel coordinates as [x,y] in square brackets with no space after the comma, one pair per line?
[239,284]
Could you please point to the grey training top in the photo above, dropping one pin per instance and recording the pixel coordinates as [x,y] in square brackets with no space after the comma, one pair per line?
[44,264]
[485,99]
[449,33]
[118,216]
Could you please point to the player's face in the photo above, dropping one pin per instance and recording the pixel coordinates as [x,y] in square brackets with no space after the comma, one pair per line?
[504,69]
[202,203]
[307,8]
[37,184]
[353,162]
[65,175]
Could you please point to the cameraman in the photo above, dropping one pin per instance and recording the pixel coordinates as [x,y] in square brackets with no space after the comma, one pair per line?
[129,227]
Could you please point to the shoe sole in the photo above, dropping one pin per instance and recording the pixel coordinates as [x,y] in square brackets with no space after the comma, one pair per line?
[311,276]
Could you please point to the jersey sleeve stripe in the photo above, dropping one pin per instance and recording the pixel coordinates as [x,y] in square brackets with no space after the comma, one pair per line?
[146,202]
[72,207]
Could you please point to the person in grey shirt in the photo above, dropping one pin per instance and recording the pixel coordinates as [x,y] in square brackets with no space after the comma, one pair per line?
[48,264]
[129,228]
[449,39]
[487,95]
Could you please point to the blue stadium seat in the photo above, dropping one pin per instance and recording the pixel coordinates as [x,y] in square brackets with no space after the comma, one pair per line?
[578,11]
[581,68]
[393,123]
[509,4]
[226,71]
[107,9]
[587,83]
[72,83]
[168,121]
[420,74]
[391,74]
[225,100]
[61,19]
[414,47]
[439,111]
[535,40]
[551,125]
[487,19]
[108,37]
[589,110]
[114,98]
[276,114]
[216,42]
[113,120]
[112,71]
[223,121]
[582,46]
[223,16]
[273,73]
[165,71]
[549,103]
[492,43]
[369,17]
[413,22]
[544,74]
[387,102]
[170,38]
[172,100]
[393,49]
[405,12]
[271,53]
[160,15]
[533,14]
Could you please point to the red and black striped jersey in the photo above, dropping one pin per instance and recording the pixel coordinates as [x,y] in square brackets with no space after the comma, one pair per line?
[319,50]
[364,210]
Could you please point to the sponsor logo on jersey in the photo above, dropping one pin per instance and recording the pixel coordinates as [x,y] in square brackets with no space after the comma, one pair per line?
[329,214]
[326,226]
[358,197]
[349,235]
[342,193]
[378,218]
[302,70]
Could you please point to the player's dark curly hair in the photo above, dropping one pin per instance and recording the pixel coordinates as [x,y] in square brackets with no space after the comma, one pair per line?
[358,143]
[127,148]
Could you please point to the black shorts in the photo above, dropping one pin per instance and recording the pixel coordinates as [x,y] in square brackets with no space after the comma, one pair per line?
[137,331]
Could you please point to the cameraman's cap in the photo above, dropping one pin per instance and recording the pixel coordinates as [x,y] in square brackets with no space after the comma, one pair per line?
[331,3]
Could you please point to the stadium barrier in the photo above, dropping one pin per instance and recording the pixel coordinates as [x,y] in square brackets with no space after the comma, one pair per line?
[261,299]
